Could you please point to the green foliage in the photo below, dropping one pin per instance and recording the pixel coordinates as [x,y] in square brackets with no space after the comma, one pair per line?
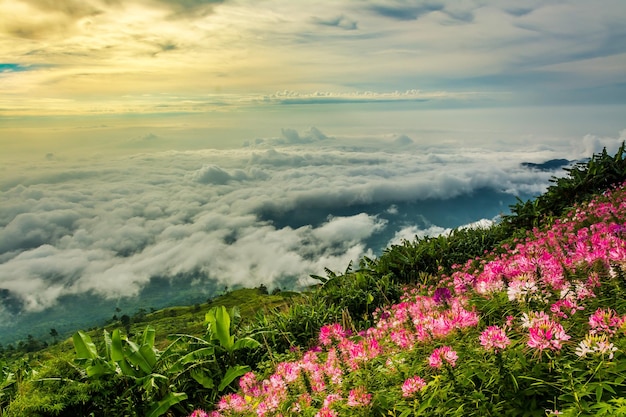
[138,366]
[411,262]
[151,376]
[584,180]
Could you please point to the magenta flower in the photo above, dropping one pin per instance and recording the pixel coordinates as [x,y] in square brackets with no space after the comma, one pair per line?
[442,295]
[359,397]
[493,337]
[234,402]
[441,355]
[199,413]
[605,321]
[326,411]
[249,384]
[546,334]
[412,385]
[330,333]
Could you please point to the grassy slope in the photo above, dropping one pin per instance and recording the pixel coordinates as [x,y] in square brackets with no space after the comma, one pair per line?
[172,320]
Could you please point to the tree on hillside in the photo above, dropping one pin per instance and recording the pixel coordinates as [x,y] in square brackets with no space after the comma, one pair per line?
[125,320]
[54,334]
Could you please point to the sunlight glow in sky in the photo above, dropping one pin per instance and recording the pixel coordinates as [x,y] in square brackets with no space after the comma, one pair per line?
[86,57]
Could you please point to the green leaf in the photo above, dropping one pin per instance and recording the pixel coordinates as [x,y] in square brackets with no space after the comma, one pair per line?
[136,358]
[148,336]
[98,368]
[117,354]
[203,379]
[170,400]
[149,382]
[126,369]
[246,342]
[85,349]
[107,344]
[149,355]
[195,356]
[219,324]
[232,373]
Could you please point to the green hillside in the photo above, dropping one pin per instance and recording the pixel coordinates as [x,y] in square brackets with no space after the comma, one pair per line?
[523,318]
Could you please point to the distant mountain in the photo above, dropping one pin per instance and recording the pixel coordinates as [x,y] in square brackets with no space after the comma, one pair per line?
[550,165]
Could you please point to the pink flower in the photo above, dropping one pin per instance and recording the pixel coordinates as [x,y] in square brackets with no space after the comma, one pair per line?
[249,385]
[605,321]
[439,355]
[359,397]
[330,333]
[290,371]
[330,399]
[234,402]
[493,337]
[199,413]
[564,308]
[326,412]
[412,385]
[402,337]
[546,335]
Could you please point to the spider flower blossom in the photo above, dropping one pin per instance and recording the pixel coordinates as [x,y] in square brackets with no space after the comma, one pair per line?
[412,385]
[595,345]
[326,411]
[359,397]
[234,402]
[199,413]
[493,337]
[546,334]
[330,333]
[605,321]
[441,355]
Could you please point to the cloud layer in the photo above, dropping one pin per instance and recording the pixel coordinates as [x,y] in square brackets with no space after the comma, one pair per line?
[141,56]
[273,212]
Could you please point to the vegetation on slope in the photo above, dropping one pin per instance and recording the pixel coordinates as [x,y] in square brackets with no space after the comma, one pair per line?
[539,329]
[135,371]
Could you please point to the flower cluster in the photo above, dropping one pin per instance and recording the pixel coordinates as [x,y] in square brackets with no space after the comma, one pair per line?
[441,355]
[553,279]
[494,338]
[596,345]
[412,385]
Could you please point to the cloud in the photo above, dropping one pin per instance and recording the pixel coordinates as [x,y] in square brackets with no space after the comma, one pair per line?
[190,8]
[211,174]
[402,140]
[519,11]
[413,232]
[107,226]
[401,10]
[35,19]
[325,97]
[340,21]
[292,136]
[509,54]
[289,136]
[592,144]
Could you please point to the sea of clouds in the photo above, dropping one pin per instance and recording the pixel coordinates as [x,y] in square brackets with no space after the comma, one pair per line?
[271,212]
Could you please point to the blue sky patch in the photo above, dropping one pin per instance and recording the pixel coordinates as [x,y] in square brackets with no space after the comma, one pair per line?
[9,67]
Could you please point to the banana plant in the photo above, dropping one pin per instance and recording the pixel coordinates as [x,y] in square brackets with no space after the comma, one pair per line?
[139,363]
[219,331]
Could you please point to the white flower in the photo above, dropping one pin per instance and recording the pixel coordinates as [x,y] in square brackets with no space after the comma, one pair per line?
[583,348]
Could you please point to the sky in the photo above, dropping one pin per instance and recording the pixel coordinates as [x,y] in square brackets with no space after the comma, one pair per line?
[262,141]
